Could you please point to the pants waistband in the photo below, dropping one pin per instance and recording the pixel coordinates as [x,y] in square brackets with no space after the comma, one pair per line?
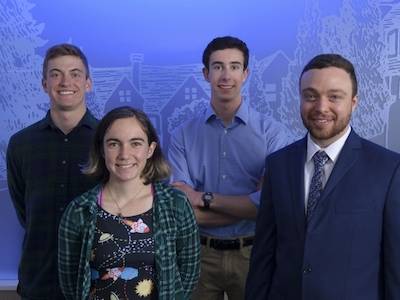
[226,244]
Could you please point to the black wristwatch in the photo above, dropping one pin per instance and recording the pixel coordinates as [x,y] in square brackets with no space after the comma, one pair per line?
[207,198]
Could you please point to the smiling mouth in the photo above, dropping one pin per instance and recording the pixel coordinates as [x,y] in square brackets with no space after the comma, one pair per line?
[322,121]
[125,166]
[66,92]
[225,87]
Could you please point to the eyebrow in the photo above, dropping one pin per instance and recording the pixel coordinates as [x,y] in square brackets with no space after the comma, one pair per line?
[337,91]
[310,89]
[131,140]
[230,63]
[73,70]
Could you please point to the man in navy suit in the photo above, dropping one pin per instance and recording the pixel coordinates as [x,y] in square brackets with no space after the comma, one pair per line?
[328,229]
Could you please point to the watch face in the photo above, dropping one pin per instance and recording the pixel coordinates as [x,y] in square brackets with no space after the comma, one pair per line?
[208,197]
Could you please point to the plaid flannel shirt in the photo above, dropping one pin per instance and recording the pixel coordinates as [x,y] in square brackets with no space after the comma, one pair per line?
[176,238]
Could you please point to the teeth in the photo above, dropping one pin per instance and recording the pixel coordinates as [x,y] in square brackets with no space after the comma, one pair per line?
[322,121]
[124,166]
[66,92]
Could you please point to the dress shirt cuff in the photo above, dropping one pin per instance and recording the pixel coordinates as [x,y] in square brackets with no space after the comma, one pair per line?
[255,198]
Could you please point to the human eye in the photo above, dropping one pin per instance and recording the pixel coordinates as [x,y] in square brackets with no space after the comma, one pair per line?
[136,144]
[76,75]
[216,67]
[54,75]
[236,67]
[335,97]
[112,145]
[309,96]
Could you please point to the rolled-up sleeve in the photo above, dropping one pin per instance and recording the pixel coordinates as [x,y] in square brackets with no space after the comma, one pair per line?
[177,157]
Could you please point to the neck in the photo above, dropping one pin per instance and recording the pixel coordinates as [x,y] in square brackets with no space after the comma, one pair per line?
[226,110]
[125,190]
[127,199]
[67,120]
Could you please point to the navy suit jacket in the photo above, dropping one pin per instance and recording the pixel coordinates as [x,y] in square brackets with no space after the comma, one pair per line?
[350,250]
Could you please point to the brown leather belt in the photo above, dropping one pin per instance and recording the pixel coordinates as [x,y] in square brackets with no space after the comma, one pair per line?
[226,244]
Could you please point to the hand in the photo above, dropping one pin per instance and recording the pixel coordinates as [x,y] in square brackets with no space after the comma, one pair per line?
[194,196]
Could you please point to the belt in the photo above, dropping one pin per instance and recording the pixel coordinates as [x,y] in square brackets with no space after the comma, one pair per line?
[225,244]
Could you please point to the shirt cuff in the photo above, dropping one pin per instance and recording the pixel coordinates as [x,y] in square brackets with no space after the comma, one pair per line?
[255,198]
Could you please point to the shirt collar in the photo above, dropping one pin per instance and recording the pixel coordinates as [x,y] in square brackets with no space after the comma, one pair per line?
[87,120]
[242,113]
[332,150]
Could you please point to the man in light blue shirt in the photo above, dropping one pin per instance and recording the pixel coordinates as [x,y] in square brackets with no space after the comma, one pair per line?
[218,160]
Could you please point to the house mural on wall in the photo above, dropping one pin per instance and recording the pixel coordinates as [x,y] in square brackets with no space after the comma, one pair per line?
[265,83]
[125,94]
[391,27]
[157,90]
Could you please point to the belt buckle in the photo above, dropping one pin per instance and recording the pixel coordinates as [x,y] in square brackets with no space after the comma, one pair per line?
[226,244]
[221,244]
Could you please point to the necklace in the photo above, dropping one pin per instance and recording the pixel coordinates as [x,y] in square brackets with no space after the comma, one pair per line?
[119,214]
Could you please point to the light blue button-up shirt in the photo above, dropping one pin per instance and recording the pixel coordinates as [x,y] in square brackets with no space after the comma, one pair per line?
[228,160]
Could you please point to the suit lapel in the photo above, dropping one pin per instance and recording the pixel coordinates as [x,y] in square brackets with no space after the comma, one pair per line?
[346,159]
[298,158]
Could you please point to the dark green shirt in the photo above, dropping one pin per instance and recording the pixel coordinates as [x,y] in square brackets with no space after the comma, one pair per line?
[44,175]
[176,241]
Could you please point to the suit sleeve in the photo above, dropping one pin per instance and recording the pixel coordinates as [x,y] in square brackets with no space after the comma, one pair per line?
[391,239]
[188,248]
[262,262]
[16,183]
[177,157]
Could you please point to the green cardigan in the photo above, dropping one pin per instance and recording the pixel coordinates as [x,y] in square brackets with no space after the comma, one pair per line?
[176,239]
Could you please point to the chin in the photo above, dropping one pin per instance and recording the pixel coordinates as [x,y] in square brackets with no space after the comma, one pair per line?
[325,135]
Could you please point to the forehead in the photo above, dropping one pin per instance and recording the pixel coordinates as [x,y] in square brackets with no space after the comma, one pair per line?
[227,56]
[65,63]
[125,128]
[325,79]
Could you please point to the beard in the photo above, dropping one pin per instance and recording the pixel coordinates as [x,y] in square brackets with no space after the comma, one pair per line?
[326,132]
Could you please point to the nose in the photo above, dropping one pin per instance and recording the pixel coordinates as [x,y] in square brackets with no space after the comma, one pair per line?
[322,104]
[123,152]
[65,80]
[225,75]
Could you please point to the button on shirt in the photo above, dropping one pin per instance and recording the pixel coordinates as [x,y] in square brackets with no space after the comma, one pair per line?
[44,175]
[333,151]
[228,160]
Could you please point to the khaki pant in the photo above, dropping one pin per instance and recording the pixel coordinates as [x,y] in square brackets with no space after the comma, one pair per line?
[222,272]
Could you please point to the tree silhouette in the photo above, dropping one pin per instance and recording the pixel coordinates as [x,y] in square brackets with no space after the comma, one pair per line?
[186,112]
[20,68]
[308,38]
[357,34]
